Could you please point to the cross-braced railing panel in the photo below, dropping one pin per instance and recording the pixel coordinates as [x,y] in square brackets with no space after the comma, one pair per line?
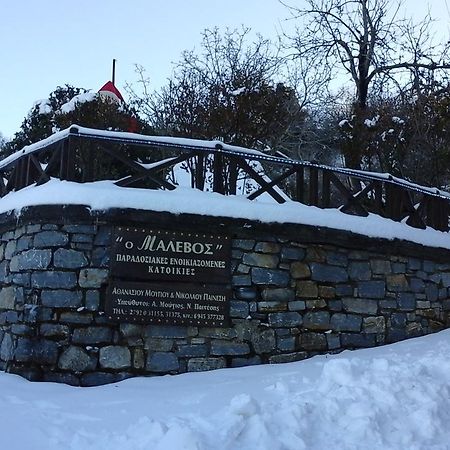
[84,155]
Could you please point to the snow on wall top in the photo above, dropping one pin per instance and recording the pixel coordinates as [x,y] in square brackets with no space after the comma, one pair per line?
[104,195]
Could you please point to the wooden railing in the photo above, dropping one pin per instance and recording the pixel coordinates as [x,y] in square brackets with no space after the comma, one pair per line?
[84,155]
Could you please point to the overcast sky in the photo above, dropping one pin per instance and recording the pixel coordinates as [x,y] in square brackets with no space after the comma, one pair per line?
[46,43]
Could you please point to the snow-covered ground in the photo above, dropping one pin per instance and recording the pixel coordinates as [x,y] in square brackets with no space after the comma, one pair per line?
[391,397]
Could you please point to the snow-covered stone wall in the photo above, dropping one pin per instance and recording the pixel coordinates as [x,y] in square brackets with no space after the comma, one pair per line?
[297,291]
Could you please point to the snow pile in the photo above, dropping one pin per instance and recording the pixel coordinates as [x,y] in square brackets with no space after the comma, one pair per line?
[43,107]
[392,397]
[77,100]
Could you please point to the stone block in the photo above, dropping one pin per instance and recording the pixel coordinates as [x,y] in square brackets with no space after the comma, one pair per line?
[162,362]
[326,273]
[372,289]
[292,253]
[313,342]
[317,303]
[75,318]
[50,239]
[337,259]
[202,364]
[114,357]
[192,351]
[92,300]
[76,359]
[333,341]
[92,278]
[432,292]
[278,294]
[445,279]
[61,298]
[80,228]
[359,270]
[317,320]
[300,270]
[103,236]
[397,283]
[429,266]
[8,297]
[327,292]
[269,277]
[414,264]
[218,333]
[297,305]
[344,290]
[398,320]
[273,306]
[244,244]
[350,340]
[158,344]
[100,257]
[345,322]
[375,325]
[285,319]
[417,285]
[4,272]
[395,335]
[287,357]
[306,289]
[53,330]
[20,329]
[241,280]
[53,280]
[45,352]
[246,293]
[414,329]
[388,304]
[286,343]
[380,266]
[398,267]
[10,249]
[7,348]
[99,378]
[21,279]
[267,247]
[69,259]
[244,362]
[238,309]
[406,301]
[92,335]
[31,260]
[360,306]
[263,341]
[229,348]
[335,305]
[260,260]
[166,331]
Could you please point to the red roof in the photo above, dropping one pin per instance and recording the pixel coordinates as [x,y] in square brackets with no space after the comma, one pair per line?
[109,87]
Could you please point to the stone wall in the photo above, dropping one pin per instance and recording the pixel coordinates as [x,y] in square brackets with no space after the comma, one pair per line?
[297,291]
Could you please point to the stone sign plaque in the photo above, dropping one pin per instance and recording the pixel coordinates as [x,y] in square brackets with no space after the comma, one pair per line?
[161,255]
[168,303]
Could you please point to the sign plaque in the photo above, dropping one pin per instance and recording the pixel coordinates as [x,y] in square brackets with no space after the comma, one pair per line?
[169,303]
[169,277]
[170,255]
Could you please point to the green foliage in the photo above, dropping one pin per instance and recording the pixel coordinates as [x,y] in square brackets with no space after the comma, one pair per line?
[47,117]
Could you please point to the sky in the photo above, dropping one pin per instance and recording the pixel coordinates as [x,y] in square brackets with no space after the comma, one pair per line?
[49,43]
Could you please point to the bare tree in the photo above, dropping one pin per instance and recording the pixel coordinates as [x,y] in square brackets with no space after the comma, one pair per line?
[368,41]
